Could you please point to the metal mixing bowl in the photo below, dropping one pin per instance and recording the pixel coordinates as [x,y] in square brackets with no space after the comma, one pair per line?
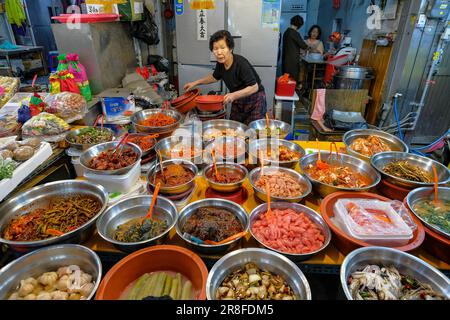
[230,144]
[225,187]
[131,208]
[49,259]
[222,125]
[140,116]
[94,151]
[427,193]
[144,152]
[313,215]
[166,148]
[39,197]
[354,163]
[278,129]
[405,263]
[394,143]
[273,144]
[84,146]
[175,189]
[264,259]
[379,161]
[261,194]
[190,209]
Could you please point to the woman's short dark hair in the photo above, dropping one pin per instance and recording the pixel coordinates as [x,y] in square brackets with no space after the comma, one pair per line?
[318,29]
[219,35]
[297,21]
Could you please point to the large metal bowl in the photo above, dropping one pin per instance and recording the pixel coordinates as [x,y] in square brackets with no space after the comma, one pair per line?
[49,259]
[264,144]
[131,208]
[222,125]
[264,259]
[379,161]
[94,151]
[175,189]
[166,148]
[147,151]
[84,146]
[261,194]
[313,215]
[354,163]
[405,263]
[225,187]
[190,209]
[424,194]
[39,197]
[140,116]
[278,129]
[394,143]
[230,144]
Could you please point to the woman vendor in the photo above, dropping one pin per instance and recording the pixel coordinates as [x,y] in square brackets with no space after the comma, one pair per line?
[246,91]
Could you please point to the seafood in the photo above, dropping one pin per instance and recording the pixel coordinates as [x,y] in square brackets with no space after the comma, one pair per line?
[283,154]
[369,146]
[375,282]
[404,170]
[338,176]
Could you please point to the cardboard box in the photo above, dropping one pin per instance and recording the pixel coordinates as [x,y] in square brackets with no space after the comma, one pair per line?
[32,64]
[130,10]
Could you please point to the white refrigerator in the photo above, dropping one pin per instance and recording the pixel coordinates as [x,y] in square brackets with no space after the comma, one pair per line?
[254,39]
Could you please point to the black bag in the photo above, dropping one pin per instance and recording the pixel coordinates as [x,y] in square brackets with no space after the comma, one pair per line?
[146,30]
[161,64]
[344,121]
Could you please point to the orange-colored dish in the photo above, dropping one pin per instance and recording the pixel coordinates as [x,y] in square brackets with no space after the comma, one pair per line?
[158,120]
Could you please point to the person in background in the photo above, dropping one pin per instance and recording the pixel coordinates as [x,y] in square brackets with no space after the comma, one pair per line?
[313,41]
[247,94]
[292,44]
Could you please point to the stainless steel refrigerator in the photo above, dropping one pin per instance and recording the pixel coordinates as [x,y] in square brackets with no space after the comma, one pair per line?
[243,19]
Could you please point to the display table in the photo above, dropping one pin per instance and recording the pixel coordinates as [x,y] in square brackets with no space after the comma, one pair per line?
[328,261]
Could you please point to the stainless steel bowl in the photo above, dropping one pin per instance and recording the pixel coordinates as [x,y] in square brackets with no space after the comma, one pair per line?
[230,144]
[190,209]
[131,208]
[313,215]
[278,129]
[94,151]
[140,116]
[166,148]
[39,197]
[379,161]
[84,146]
[49,259]
[225,187]
[264,259]
[148,151]
[404,262]
[273,144]
[424,194]
[176,189]
[354,163]
[222,125]
[394,143]
[261,194]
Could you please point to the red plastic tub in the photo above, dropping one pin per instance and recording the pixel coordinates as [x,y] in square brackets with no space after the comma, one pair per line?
[285,89]
[209,103]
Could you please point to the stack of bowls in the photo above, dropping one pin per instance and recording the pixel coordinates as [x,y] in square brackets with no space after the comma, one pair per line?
[209,103]
[186,102]
[131,208]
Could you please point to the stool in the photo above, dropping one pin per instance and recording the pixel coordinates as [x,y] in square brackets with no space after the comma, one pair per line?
[53,60]
[278,107]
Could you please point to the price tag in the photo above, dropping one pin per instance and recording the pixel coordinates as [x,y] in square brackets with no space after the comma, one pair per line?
[94,8]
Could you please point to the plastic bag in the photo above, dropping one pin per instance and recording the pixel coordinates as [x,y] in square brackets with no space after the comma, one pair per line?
[36,104]
[146,30]
[62,62]
[80,76]
[55,84]
[67,106]
[9,126]
[68,83]
[45,126]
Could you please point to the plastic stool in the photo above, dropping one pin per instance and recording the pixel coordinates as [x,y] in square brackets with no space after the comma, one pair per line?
[53,60]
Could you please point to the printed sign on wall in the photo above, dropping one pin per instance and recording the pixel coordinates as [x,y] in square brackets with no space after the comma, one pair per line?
[202,25]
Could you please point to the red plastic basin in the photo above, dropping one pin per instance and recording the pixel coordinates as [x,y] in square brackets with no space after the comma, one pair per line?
[209,103]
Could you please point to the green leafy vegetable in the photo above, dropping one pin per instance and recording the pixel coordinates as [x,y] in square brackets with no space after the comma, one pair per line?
[7,168]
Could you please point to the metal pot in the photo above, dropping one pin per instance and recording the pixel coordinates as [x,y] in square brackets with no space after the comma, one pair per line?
[353,84]
[353,72]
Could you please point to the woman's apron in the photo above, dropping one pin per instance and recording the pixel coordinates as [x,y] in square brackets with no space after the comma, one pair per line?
[248,109]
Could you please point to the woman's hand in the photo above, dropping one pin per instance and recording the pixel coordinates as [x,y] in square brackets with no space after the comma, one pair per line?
[189,86]
[230,98]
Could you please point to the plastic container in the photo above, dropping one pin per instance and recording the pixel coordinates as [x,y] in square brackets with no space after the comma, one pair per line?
[209,103]
[116,183]
[376,230]
[79,169]
[285,89]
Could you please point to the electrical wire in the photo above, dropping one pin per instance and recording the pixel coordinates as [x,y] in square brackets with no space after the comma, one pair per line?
[397,120]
